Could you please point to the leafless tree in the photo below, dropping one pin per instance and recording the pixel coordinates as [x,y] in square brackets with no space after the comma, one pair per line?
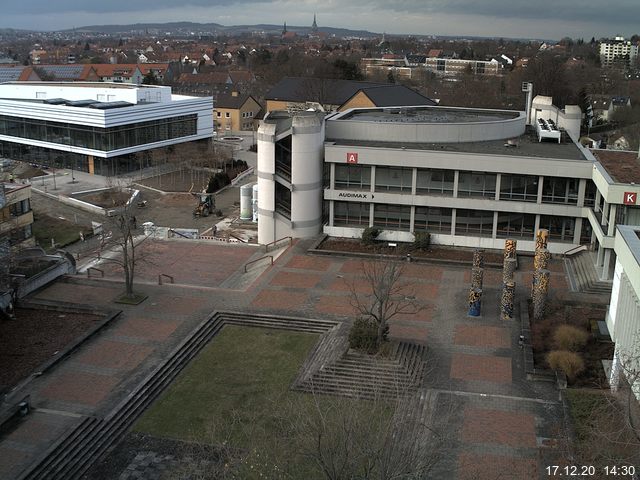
[120,244]
[386,294]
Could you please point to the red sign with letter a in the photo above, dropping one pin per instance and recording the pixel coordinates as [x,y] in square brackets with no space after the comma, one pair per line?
[630,198]
[352,158]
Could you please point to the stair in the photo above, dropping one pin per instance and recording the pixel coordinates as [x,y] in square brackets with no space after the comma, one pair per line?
[359,375]
[75,453]
[583,276]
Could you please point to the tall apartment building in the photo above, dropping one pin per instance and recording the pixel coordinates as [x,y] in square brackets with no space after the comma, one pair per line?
[618,51]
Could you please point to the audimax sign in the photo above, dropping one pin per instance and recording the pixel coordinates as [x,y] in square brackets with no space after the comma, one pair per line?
[359,195]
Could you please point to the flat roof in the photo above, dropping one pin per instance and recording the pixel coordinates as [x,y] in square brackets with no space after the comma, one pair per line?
[128,86]
[631,236]
[622,166]
[428,115]
[526,145]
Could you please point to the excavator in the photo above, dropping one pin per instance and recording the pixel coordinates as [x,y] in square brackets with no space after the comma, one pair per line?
[206,204]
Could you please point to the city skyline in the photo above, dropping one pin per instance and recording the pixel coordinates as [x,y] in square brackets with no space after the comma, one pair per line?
[492,18]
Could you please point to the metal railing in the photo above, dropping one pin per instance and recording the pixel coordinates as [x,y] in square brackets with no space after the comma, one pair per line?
[164,275]
[275,242]
[574,250]
[270,257]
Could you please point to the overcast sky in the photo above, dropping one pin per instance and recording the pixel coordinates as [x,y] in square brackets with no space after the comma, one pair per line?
[552,19]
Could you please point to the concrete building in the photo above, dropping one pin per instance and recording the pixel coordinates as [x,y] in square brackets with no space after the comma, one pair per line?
[470,177]
[97,127]
[458,66]
[16,216]
[623,316]
[618,51]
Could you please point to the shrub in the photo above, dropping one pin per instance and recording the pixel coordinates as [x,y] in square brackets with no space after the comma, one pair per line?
[421,240]
[217,181]
[369,235]
[568,362]
[568,337]
[364,335]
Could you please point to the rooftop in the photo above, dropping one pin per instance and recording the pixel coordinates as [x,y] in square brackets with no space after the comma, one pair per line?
[622,166]
[526,145]
[428,115]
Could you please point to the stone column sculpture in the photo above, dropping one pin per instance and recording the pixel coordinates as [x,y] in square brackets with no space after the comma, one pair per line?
[506,302]
[478,258]
[540,292]
[477,276]
[475,299]
[542,236]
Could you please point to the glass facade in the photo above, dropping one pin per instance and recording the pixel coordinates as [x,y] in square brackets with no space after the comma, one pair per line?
[433,219]
[352,177]
[394,179]
[560,190]
[519,187]
[351,214]
[561,229]
[392,217]
[435,182]
[95,138]
[477,184]
[283,201]
[516,225]
[477,223]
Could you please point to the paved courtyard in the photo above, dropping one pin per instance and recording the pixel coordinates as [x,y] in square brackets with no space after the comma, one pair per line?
[498,418]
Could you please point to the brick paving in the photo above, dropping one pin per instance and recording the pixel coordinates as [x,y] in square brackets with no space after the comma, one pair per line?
[463,350]
[78,387]
[481,367]
[499,427]
[493,467]
[482,336]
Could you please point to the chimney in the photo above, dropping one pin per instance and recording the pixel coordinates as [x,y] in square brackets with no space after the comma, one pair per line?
[234,94]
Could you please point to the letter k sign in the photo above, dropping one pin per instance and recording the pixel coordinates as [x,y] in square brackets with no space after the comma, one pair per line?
[630,198]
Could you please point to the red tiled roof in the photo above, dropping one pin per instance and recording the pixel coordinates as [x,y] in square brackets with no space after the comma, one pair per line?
[622,166]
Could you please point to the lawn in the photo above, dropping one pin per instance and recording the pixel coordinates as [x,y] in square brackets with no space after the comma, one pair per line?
[231,392]
[63,232]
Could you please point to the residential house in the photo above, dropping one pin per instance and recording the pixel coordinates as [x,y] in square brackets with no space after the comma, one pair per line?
[16,217]
[234,112]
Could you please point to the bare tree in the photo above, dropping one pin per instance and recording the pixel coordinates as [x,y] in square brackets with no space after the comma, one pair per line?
[119,243]
[386,294]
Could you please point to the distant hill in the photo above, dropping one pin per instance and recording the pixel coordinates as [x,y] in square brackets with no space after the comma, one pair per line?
[213,28]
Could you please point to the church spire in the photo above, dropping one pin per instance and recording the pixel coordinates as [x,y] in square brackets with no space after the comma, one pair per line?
[314,25]
[284,29]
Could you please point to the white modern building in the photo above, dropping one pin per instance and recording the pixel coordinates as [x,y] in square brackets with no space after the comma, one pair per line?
[618,51]
[97,127]
[470,177]
[623,316]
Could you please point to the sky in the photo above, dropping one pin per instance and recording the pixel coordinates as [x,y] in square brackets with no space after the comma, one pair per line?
[549,19]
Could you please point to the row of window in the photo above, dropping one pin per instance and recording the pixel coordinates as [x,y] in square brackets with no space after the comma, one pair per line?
[95,138]
[470,184]
[439,220]
[228,114]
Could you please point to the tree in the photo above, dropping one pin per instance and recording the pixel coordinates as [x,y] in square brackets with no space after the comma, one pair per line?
[120,245]
[150,79]
[388,295]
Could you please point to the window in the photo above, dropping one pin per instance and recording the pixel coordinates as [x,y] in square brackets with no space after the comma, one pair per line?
[218,114]
[352,177]
[392,217]
[433,219]
[283,201]
[516,225]
[474,222]
[560,229]
[435,182]
[519,187]
[560,190]
[394,179]
[227,115]
[477,184]
[351,214]
[590,194]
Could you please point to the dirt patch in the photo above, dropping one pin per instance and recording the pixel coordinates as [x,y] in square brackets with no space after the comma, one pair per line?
[106,198]
[26,170]
[596,349]
[179,200]
[34,336]
[436,252]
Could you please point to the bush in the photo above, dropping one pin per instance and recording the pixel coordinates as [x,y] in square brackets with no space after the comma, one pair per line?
[568,362]
[369,235]
[364,335]
[217,181]
[421,240]
[568,337]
